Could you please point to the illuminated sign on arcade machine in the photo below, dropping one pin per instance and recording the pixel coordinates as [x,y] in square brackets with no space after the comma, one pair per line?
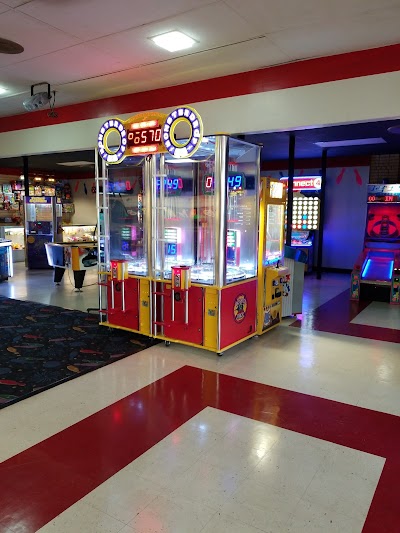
[377,269]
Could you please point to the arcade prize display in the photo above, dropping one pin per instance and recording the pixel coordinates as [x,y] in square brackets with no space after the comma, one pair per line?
[43,217]
[179,225]
[376,273]
[271,272]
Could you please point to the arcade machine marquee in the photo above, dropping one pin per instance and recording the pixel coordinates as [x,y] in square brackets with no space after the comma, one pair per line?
[378,265]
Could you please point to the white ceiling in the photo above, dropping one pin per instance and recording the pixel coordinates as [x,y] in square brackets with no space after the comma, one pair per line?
[89,49]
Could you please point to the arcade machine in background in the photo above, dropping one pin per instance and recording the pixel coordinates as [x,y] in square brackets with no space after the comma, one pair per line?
[376,274]
[6,261]
[77,252]
[43,220]
[271,272]
[306,207]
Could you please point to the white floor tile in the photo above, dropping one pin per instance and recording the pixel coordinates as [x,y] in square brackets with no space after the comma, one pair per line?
[379,315]
[312,518]
[172,515]
[83,518]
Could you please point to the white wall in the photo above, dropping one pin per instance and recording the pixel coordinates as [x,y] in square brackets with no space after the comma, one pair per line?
[353,100]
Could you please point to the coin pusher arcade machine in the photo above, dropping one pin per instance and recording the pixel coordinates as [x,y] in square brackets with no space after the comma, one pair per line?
[192,278]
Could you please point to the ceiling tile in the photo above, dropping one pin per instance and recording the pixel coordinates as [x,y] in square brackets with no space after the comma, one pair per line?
[230,60]
[275,16]
[3,8]
[369,30]
[64,66]
[90,19]
[36,38]
[210,26]
[15,3]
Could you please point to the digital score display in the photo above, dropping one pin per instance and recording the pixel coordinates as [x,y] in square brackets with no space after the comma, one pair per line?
[171,249]
[172,183]
[144,137]
[387,198]
[236,182]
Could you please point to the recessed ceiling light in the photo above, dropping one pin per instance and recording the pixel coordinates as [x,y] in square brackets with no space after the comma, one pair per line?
[173,41]
[3,90]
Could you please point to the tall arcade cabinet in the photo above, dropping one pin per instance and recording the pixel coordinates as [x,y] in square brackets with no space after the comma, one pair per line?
[43,220]
[124,222]
[178,233]
[205,235]
[271,272]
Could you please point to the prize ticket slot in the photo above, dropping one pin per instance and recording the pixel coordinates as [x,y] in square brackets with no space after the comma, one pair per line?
[43,219]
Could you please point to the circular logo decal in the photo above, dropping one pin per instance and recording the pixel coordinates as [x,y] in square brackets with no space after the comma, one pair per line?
[112,156]
[240,308]
[187,148]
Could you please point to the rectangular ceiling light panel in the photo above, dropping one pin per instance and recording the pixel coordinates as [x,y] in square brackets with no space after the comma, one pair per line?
[351,142]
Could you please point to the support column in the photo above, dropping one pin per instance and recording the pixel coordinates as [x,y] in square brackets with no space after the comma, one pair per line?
[289,211]
[324,159]
[26,174]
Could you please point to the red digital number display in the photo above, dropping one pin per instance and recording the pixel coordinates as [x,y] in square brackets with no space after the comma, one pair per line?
[389,198]
[144,137]
[384,199]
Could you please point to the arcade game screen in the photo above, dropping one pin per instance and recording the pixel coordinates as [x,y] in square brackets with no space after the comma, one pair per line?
[383,222]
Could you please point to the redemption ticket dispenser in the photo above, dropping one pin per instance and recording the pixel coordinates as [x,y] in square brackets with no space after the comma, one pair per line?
[179,293]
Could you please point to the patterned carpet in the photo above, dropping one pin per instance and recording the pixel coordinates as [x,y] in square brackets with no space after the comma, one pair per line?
[42,346]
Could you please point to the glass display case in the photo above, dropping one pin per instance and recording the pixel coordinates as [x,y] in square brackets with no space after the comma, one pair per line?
[79,233]
[6,262]
[15,234]
[186,214]
[126,197]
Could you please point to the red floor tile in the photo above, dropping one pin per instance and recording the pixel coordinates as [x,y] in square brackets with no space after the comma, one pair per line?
[335,317]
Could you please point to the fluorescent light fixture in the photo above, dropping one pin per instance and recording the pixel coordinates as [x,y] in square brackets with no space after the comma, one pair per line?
[351,142]
[173,41]
[76,164]
[3,90]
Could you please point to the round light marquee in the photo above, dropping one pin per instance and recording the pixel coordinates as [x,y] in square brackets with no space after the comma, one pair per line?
[112,156]
[187,148]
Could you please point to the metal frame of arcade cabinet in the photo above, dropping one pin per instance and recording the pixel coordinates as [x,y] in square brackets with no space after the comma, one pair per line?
[216,312]
[270,274]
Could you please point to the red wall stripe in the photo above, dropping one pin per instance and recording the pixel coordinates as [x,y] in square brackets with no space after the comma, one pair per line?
[296,74]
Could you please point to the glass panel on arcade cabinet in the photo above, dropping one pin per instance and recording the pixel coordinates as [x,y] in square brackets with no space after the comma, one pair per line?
[126,199]
[184,218]
[274,234]
[241,237]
